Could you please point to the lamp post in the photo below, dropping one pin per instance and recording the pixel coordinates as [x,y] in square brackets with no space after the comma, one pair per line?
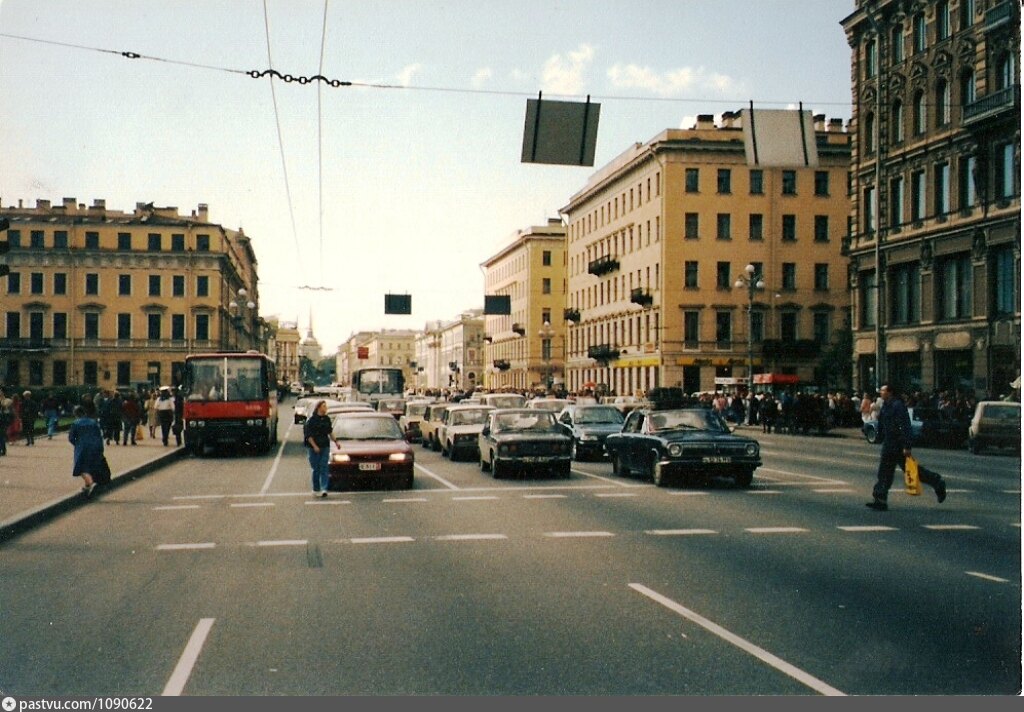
[753,281]
[236,307]
[546,333]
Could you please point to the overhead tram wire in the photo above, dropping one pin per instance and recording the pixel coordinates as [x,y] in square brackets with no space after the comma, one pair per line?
[320,142]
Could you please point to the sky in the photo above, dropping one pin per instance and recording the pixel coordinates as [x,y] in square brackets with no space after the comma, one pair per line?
[407,182]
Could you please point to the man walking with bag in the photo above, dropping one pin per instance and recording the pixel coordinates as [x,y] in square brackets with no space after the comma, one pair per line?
[895,436]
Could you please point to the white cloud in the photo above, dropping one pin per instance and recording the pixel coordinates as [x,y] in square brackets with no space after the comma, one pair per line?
[405,76]
[565,75]
[482,76]
[674,82]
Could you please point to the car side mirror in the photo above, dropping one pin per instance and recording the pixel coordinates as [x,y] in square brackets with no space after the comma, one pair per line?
[485,431]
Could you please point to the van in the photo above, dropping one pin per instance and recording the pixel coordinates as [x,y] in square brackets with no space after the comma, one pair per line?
[995,424]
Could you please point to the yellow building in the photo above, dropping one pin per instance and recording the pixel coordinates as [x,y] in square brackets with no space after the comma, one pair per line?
[658,242]
[388,348]
[936,194]
[105,298]
[525,350]
[284,347]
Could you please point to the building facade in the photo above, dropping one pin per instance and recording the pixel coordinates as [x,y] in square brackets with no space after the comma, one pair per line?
[525,350]
[935,230]
[113,299]
[284,347]
[449,355]
[657,250]
[390,348]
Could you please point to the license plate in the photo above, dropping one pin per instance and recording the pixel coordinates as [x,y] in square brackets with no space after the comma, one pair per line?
[717,459]
[369,466]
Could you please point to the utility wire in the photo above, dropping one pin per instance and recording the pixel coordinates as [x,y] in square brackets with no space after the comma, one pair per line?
[320,141]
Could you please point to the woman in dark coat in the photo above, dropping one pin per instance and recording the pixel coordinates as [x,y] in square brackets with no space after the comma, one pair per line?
[90,464]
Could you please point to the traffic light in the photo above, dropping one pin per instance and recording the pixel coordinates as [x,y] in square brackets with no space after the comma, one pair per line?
[5,247]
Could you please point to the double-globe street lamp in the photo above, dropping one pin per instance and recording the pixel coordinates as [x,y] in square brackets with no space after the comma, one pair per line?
[238,317]
[546,333]
[753,280]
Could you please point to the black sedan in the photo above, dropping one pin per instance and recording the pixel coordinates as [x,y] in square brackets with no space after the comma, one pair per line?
[524,440]
[692,444]
[588,426]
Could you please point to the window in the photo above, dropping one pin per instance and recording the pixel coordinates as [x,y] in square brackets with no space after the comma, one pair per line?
[124,241]
[60,325]
[178,285]
[896,217]
[942,101]
[787,326]
[942,189]
[723,280]
[1005,72]
[723,329]
[1005,172]
[153,244]
[692,180]
[724,180]
[821,183]
[897,122]
[919,35]
[124,326]
[35,326]
[757,326]
[756,226]
[178,327]
[821,228]
[92,241]
[870,59]
[953,288]
[724,226]
[202,286]
[545,285]
[789,182]
[202,243]
[968,89]
[966,13]
[545,258]
[36,240]
[942,20]
[203,327]
[789,228]
[1004,284]
[154,285]
[691,274]
[692,226]
[920,113]
[905,297]
[822,327]
[756,182]
[691,329]
[177,243]
[789,275]
[92,284]
[917,196]
[60,240]
[124,373]
[821,276]
[896,41]
[124,285]
[868,299]
[35,283]
[13,371]
[60,373]
[91,323]
[14,283]
[869,133]
[60,283]
[153,327]
[968,194]
[91,373]
[13,325]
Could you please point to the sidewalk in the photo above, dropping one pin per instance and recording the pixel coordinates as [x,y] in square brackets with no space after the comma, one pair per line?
[36,482]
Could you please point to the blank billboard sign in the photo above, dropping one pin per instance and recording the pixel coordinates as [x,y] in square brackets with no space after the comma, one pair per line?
[779,138]
[397,304]
[560,132]
[497,304]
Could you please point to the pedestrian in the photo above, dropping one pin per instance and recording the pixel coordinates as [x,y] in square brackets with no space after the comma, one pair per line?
[894,434]
[317,436]
[90,463]
[179,415]
[131,415]
[14,422]
[165,413]
[51,415]
[150,408]
[6,415]
[29,416]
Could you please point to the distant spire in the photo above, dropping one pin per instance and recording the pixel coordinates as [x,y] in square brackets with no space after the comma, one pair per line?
[309,334]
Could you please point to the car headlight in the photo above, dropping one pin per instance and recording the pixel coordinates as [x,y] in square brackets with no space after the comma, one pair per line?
[675,449]
[752,449]
[398,456]
[340,457]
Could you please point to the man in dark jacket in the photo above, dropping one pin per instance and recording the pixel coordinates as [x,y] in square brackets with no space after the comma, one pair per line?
[29,415]
[895,435]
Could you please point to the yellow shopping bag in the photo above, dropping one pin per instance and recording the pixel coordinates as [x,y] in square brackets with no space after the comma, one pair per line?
[139,435]
[911,476]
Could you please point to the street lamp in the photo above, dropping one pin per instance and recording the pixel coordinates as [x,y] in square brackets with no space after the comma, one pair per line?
[546,333]
[236,308]
[753,281]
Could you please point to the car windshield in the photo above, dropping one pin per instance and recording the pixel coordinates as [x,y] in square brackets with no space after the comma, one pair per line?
[356,428]
[468,417]
[1001,412]
[536,421]
[415,408]
[687,420]
[512,401]
[390,404]
[552,405]
[586,416]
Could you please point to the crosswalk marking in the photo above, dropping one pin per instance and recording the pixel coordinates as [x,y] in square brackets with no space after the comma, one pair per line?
[950,527]
[868,529]
[471,537]
[987,577]
[568,535]
[679,532]
[185,547]
[776,530]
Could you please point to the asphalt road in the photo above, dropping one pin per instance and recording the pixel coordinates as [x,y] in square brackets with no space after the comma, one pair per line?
[223,576]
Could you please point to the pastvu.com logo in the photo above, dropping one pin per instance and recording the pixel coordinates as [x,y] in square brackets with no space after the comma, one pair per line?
[9,704]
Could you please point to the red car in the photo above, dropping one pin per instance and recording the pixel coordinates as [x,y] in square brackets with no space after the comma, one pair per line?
[371,448]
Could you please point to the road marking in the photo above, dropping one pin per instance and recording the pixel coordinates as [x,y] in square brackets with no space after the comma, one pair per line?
[835,490]
[474,499]
[175,507]
[188,658]
[544,496]
[987,577]
[1008,491]
[381,540]
[759,653]
[617,483]
[254,504]
[763,492]
[961,491]
[437,477]
[567,535]
[615,494]
[283,542]
[470,537]
[813,478]
[184,547]
[688,494]
[200,496]
[277,460]
[321,502]
[869,529]
[776,530]
[405,499]
[949,527]
[678,532]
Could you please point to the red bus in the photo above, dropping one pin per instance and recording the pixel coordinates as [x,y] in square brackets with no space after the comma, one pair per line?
[230,398]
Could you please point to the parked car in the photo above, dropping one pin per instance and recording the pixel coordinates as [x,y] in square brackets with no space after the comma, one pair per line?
[691,444]
[394,406]
[928,426]
[524,440]
[411,419]
[370,447]
[554,405]
[623,403]
[431,422]
[503,400]
[588,426]
[995,424]
[460,429]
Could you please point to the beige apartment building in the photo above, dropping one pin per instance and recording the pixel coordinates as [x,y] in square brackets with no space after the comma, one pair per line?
[106,298]
[526,349]
[450,354]
[283,345]
[657,246]
[934,244]
[390,348]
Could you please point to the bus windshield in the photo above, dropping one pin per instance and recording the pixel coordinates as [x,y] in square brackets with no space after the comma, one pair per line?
[224,379]
[378,380]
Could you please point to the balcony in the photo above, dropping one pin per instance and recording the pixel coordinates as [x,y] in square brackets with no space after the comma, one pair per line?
[998,16]
[572,315]
[994,105]
[25,345]
[603,265]
[602,352]
[785,349]
[502,364]
[641,297]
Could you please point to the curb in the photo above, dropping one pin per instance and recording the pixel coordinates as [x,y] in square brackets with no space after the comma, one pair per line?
[26,521]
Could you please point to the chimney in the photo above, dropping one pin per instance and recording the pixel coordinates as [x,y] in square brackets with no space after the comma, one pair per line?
[835,125]
[99,203]
[204,212]
[42,204]
[705,121]
[819,122]
[729,119]
[69,204]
